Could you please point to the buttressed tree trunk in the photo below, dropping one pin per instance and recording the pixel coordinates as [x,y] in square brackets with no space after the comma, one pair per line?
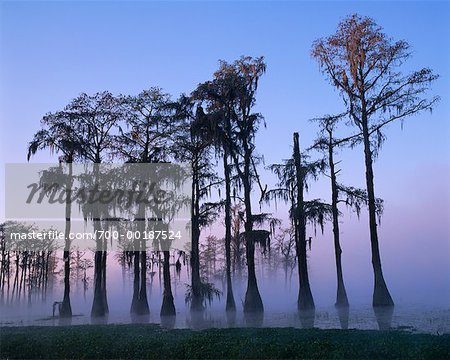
[305,298]
[139,304]
[143,300]
[167,307]
[100,303]
[66,308]
[253,301]
[98,308]
[381,295]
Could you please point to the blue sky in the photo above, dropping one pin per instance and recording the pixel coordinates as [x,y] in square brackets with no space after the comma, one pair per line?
[52,51]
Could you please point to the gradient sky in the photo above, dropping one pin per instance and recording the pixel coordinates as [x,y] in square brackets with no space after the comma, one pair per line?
[52,51]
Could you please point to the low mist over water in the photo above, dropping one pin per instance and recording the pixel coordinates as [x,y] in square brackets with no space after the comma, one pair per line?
[277,284]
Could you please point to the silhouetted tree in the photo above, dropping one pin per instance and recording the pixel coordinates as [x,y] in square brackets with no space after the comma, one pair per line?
[193,144]
[146,138]
[221,97]
[245,74]
[329,143]
[363,63]
[352,197]
[293,175]
[59,135]
[97,118]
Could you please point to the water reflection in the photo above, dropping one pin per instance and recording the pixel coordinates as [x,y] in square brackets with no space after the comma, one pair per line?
[65,321]
[254,319]
[307,318]
[168,322]
[197,320]
[384,314]
[343,314]
[99,320]
[140,319]
[231,318]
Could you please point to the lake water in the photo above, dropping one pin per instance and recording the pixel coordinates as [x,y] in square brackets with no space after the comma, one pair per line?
[414,319]
[278,292]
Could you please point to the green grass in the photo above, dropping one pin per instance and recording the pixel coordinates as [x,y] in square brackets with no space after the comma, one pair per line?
[153,342]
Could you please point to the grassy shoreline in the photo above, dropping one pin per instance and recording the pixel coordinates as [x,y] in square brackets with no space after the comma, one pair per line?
[153,342]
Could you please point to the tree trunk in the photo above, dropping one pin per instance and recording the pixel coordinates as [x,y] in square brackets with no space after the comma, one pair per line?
[305,299]
[230,304]
[104,296]
[98,308]
[136,273]
[253,302]
[196,303]
[381,295]
[341,295]
[100,302]
[139,304]
[168,307]
[66,308]
[143,300]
